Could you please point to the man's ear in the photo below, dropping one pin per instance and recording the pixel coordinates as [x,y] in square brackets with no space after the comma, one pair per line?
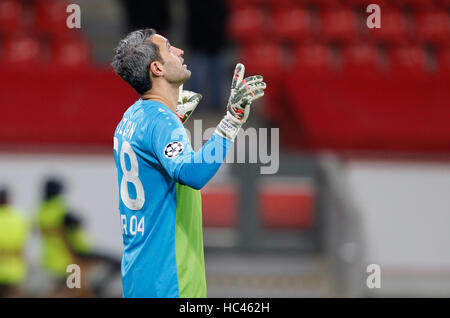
[156,69]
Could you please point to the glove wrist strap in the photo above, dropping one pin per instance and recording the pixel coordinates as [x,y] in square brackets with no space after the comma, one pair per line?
[228,128]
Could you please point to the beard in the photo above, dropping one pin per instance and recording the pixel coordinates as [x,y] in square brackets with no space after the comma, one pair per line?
[177,74]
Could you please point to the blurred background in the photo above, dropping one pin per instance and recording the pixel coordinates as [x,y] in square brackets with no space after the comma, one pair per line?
[363,117]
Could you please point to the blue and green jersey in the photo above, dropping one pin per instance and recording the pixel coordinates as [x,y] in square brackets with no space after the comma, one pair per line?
[159,178]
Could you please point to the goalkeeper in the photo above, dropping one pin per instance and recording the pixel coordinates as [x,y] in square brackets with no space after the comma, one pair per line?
[159,174]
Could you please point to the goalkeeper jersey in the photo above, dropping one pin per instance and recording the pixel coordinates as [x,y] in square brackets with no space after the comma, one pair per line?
[159,175]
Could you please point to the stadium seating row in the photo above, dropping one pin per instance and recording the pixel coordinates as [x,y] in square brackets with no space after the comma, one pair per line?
[281,206]
[46,17]
[25,50]
[271,59]
[404,4]
[34,32]
[298,24]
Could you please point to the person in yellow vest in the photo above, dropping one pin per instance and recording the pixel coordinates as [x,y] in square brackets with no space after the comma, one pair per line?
[14,230]
[64,242]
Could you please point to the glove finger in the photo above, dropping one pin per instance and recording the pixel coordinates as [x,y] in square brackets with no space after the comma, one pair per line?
[259,85]
[189,107]
[246,102]
[250,81]
[238,75]
[185,95]
[254,95]
[258,94]
[195,98]
[253,79]
[252,87]
[248,99]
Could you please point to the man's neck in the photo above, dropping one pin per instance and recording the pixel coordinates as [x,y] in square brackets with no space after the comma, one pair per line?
[164,93]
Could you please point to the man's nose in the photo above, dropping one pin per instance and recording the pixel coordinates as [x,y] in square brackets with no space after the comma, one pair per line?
[179,52]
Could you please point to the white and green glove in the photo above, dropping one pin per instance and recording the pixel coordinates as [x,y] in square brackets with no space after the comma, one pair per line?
[243,93]
[187,102]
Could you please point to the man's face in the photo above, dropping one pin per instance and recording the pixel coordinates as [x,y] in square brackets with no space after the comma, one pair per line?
[174,69]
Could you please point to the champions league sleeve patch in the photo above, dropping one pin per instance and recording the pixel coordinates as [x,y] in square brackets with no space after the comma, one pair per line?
[173,149]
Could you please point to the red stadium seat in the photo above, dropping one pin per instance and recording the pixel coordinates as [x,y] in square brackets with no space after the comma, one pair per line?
[286,206]
[292,25]
[315,58]
[394,28]
[219,203]
[259,3]
[322,3]
[365,3]
[20,50]
[70,53]
[265,58]
[234,5]
[445,4]
[443,57]
[409,59]
[11,15]
[339,24]
[414,4]
[51,17]
[433,27]
[246,25]
[282,3]
[360,59]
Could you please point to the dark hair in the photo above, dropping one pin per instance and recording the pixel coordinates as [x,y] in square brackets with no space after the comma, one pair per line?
[53,187]
[4,196]
[133,57]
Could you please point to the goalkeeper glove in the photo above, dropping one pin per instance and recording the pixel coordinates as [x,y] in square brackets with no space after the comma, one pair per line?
[243,93]
[187,102]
